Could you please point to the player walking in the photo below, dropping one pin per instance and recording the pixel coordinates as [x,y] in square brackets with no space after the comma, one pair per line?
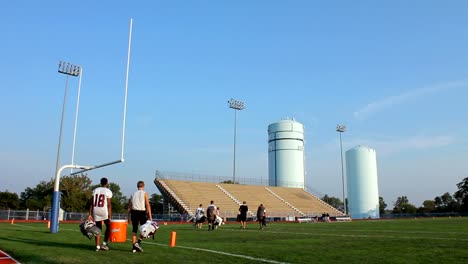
[140,210]
[101,210]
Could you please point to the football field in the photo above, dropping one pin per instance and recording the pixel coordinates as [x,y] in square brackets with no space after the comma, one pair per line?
[442,240]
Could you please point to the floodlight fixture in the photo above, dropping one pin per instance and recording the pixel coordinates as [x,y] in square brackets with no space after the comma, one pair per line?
[340,128]
[69,69]
[236,104]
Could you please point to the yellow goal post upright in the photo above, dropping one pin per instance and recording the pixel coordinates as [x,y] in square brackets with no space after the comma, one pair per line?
[54,223]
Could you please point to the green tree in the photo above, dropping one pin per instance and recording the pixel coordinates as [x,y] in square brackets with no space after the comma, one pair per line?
[39,197]
[333,201]
[462,194]
[156,203]
[402,206]
[76,192]
[429,206]
[9,200]
[446,203]
[229,182]
[438,202]
[382,206]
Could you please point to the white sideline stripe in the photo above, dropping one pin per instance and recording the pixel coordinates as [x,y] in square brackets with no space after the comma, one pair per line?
[7,256]
[220,252]
[370,236]
[411,232]
[25,226]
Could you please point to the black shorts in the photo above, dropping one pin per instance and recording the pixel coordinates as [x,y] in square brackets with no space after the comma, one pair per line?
[243,217]
[106,222]
[138,217]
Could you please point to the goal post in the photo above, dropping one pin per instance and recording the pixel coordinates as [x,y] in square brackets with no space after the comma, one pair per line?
[54,223]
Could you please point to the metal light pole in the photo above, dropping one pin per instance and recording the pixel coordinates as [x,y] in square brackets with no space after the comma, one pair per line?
[236,105]
[69,70]
[340,129]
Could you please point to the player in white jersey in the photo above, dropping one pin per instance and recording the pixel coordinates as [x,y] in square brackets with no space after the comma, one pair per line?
[101,210]
[200,216]
[140,211]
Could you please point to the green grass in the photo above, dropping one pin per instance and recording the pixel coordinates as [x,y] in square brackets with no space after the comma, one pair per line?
[442,240]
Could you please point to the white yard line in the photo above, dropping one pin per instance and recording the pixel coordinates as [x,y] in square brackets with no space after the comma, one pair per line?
[219,252]
[197,249]
[369,236]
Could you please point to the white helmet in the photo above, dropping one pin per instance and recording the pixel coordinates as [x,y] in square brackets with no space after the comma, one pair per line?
[89,229]
[149,228]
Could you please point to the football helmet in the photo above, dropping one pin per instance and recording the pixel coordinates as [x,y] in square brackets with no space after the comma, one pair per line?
[148,229]
[89,229]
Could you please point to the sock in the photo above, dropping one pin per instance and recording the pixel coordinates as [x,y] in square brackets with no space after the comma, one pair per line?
[139,241]
[104,243]
[98,247]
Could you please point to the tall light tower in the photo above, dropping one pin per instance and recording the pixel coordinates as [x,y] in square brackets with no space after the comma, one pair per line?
[69,70]
[236,105]
[340,129]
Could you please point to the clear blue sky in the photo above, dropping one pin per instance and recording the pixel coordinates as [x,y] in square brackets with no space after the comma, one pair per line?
[394,72]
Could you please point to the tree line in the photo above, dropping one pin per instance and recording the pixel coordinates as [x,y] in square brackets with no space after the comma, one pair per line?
[75,196]
[458,202]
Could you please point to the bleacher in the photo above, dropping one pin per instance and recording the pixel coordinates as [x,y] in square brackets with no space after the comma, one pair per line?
[307,203]
[279,201]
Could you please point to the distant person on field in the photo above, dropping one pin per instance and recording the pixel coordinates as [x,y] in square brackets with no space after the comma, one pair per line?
[218,220]
[140,211]
[243,214]
[199,216]
[101,210]
[211,212]
[261,216]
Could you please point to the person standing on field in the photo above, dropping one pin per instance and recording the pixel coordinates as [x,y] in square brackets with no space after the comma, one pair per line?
[243,209]
[261,216]
[101,210]
[211,212]
[140,211]
[200,216]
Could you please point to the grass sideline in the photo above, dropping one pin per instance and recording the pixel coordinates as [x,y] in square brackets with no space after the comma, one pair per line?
[386,241]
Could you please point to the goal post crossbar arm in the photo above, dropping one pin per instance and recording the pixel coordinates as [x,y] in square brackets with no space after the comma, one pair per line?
[96,167]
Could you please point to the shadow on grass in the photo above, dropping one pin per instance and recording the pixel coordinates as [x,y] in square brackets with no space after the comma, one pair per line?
[48,243]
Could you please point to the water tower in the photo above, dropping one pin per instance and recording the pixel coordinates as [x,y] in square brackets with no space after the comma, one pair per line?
[286,154]
[362,184]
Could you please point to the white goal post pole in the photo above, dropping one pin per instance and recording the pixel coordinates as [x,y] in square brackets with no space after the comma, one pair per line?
[126,90]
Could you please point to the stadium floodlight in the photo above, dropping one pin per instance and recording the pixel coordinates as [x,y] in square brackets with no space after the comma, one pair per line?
[341,129]
[69,69]
[236,105]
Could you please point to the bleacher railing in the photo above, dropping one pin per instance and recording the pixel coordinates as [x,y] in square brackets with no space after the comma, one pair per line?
[159,174]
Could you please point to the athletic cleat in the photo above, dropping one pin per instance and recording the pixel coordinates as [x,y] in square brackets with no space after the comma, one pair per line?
[98,248]
[137,247]
[104,247]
